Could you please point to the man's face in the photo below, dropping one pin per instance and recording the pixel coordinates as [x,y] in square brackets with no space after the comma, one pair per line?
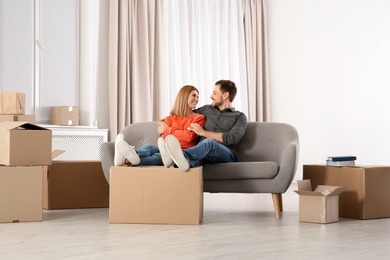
[217,96]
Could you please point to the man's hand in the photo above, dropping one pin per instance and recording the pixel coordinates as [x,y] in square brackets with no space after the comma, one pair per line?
[160,127]
[198,129]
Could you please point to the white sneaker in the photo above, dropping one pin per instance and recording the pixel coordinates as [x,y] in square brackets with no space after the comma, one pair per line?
[174,149]
[128,152]
[166,158]
[119,159]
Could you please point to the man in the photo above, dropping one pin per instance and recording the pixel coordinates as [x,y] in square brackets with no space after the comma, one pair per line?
[223,130]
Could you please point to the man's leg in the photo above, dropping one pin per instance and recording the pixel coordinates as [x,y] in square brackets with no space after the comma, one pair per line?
[206,150]
[210,151]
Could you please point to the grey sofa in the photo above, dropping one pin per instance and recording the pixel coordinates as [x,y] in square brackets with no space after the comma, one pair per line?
[267,160]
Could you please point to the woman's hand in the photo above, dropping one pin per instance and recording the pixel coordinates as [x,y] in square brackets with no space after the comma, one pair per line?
[160,127]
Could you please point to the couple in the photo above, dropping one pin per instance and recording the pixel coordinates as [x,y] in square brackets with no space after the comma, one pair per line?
[217,127]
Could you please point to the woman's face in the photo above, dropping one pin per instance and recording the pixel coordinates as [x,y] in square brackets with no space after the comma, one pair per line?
[193,99]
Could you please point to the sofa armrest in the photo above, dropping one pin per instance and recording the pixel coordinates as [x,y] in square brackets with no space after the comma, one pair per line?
[288,166]
[108,151]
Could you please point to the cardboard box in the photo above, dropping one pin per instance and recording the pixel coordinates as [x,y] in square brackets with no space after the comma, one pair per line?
[74,185]
[24,144]
[12,103]
[13,118]
[156,195]
[320,205]
[368,195]
[21,193]
[65,115]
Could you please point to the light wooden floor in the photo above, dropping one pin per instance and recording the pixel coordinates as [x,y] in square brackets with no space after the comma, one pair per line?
[235,226]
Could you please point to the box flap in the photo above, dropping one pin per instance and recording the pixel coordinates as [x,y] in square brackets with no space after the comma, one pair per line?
[309,193]
[330,190]
[55,153]
[304,185]
[13,125]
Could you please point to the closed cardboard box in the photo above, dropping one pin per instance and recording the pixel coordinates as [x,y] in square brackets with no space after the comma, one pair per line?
[21,193]
[65,115]
[75,185]
[24,144]
[368,193]
[12,103]
[320,205]
[24,118]
[156,195]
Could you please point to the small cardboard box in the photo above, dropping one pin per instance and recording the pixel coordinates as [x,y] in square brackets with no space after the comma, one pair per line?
[156,195]
[65,115]
[21,193]
[320,205]
[24,144]
[368,195]
[12,103]
[13,118]
[75,185]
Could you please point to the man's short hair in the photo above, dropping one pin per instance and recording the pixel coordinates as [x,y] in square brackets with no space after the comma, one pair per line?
[228,86]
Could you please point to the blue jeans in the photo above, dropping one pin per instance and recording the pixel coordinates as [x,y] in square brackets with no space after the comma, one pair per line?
[149,155]
[208,151]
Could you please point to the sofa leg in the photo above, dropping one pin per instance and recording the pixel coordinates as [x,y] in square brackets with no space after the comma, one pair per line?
[278,203]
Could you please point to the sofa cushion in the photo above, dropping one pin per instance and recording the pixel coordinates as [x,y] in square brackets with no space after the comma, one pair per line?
[240,170]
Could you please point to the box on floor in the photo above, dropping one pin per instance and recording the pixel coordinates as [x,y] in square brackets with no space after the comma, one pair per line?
[24,144]
[12,103]
[74,185]
[368,193]
[22,118]
[156,195]
[320,205]
[21,193]
[65,115]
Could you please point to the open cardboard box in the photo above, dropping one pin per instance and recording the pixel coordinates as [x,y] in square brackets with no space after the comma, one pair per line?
[24,144]
[320,205]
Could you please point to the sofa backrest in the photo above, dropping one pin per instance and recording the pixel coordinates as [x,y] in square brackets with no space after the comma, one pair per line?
[141,133]
[263,141]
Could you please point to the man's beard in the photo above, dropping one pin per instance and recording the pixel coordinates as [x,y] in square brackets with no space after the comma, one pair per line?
[216,104]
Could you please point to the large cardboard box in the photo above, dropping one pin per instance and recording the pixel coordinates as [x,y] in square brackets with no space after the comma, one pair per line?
[12,103]
[368,193]
[156,195]
[24,144]
[24,118]
[320,205]
[65,115]
[74,185]
[21,193]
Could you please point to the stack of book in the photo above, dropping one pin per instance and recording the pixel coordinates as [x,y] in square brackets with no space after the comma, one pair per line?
[341,160]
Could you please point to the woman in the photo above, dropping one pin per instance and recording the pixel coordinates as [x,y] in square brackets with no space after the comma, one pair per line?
[177,124]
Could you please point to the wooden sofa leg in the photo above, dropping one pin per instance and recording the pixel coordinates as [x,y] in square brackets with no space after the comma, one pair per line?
[278,203]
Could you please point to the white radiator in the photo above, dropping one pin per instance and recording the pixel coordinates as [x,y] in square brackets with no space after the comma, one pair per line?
[78,143]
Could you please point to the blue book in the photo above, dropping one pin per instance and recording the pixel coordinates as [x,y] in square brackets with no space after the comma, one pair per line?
[341,158]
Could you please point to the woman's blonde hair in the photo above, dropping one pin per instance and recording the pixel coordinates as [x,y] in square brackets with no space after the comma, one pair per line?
[181,103]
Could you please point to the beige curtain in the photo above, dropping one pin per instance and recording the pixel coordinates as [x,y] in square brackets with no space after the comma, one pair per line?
[134,64]
[256,60]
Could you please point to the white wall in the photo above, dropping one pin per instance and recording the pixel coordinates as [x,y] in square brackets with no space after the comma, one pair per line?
[329,65]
